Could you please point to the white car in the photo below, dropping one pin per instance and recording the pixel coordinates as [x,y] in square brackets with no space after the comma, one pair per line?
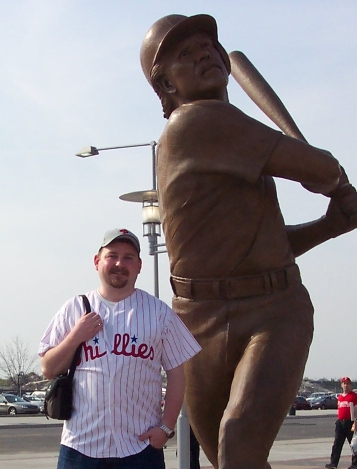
[314,395]
[40,394]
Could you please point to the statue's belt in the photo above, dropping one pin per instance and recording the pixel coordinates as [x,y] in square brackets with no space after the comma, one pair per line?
[236,287]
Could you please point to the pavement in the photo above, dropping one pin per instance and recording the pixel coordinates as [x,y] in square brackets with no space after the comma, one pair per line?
[285,454]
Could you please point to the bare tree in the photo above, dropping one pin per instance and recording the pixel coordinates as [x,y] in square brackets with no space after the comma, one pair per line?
[16,361]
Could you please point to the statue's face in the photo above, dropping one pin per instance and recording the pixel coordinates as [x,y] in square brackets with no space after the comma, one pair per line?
[194,69]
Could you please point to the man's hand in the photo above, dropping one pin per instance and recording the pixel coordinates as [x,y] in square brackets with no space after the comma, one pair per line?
[87,327]
[58,359]
[156,436]
[341,215]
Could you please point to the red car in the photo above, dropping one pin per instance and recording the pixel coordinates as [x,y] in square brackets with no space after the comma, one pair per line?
[300,403]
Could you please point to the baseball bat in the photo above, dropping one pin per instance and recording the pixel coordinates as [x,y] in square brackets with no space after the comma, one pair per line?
[259,90]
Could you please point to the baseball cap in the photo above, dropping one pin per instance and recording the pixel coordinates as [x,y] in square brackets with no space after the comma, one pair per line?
[345,379]
[169,29]
[120,233]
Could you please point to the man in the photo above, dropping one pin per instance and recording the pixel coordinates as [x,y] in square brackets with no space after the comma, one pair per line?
[194,451]
[232,258]
[346,415]
[129,335]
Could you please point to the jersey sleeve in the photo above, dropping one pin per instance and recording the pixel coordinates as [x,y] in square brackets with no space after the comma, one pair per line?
[60,326]
[215,136]
[179,345]
[354,398]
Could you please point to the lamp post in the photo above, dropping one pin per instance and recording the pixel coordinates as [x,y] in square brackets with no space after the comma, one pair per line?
[150,207]
[151,225]
[20,375]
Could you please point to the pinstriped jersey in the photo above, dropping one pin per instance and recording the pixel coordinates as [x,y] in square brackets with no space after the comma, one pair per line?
[117,384]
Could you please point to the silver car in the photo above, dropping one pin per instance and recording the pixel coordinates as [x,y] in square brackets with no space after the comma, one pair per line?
[12,405]
[37,401]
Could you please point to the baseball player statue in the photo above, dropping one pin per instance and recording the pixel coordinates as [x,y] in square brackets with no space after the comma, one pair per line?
[232,258]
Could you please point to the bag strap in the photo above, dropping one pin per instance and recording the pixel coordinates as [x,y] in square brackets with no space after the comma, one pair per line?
[77,353]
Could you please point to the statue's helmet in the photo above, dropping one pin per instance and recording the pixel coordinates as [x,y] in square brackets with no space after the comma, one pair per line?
[172,28]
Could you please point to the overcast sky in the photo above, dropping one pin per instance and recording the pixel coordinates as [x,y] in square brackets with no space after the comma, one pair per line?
[71,77]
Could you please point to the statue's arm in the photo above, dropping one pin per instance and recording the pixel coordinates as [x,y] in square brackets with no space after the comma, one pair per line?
[213,132]
[317,170]
[221,135]
[306,236]
[340,218]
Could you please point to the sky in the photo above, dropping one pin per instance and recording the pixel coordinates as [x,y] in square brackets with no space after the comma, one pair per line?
[71,77]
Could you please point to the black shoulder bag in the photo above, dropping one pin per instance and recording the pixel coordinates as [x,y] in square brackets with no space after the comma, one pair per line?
[59,394]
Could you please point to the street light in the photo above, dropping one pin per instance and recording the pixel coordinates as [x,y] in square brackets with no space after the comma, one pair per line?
[93,151]
[151,225]
[149,201]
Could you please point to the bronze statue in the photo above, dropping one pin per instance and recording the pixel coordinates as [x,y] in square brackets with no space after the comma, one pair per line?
[232,258]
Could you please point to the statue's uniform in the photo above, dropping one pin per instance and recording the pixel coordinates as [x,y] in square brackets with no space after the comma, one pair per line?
[235,280]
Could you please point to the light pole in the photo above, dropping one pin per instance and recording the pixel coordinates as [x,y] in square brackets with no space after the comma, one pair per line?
[149,200]
[20,375]
[151,226]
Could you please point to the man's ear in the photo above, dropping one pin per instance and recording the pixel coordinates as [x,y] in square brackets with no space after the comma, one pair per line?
[96,261]
[165,85]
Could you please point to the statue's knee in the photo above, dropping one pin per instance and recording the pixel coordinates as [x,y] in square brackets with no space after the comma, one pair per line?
[231,428]
[238,439]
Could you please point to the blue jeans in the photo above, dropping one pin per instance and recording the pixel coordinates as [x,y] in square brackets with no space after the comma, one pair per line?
[149,458]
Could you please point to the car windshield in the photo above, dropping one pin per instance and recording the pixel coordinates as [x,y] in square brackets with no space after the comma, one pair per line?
[14,399]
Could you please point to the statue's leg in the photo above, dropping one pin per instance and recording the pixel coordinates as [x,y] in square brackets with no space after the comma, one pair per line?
[278,329]
[208,381]
[241,385]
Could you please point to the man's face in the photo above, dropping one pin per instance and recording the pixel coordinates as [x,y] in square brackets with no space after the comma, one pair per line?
[118,265]
[194,69]
[346,387]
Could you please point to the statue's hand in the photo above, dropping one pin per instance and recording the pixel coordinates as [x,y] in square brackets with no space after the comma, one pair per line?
[341,215]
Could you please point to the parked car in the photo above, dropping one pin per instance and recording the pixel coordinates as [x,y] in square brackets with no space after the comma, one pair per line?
[315,395]
[40,394]
[35,400]
[300,403]
[12,405]
[324,402]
